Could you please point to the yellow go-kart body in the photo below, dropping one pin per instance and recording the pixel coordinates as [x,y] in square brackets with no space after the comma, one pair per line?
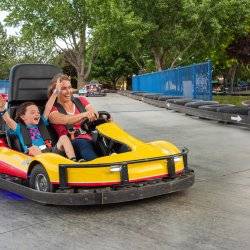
[143,164]
[102,176]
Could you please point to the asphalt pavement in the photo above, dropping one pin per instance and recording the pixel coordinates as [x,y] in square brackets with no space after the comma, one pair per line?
[213,214]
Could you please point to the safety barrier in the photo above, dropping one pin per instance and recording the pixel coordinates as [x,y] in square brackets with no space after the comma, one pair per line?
[192,81]
[4,86]
[211,110]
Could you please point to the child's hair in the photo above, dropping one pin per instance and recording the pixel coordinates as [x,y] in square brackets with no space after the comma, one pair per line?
[53,82]
[21,110]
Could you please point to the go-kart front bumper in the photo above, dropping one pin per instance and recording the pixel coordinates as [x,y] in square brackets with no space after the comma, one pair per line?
[104,195]
[124,192]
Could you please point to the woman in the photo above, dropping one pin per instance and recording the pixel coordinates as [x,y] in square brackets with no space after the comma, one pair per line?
[67,115]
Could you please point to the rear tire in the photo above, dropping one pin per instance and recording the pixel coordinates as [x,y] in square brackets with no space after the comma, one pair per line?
[39,179]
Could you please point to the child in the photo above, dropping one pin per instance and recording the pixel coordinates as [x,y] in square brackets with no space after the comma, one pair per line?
[29,115]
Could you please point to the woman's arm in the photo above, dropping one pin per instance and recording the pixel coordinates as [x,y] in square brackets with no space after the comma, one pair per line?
[56,117]
[52,99]
[93,114]
[6,117]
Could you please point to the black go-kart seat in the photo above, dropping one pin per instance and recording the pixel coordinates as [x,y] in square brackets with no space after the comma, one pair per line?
[29,82]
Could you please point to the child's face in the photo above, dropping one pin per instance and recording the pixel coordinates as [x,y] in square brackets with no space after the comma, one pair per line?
[31,116]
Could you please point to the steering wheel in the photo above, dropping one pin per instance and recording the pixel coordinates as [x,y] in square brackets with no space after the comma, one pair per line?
[89,126]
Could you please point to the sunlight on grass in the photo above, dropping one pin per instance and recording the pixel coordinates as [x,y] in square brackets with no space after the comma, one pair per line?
[236,100]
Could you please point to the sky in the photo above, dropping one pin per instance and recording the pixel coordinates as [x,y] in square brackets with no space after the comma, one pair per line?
[10,30]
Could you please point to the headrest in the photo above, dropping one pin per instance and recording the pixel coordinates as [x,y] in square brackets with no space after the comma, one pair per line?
[29,82]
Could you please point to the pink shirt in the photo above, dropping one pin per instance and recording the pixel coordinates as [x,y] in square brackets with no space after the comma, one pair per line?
[62,130]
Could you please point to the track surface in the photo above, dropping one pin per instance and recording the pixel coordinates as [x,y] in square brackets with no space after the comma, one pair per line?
[213,214]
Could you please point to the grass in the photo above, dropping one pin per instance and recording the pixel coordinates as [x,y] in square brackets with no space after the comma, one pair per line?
[236,100]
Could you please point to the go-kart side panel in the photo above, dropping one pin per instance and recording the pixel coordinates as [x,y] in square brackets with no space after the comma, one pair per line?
[14,163]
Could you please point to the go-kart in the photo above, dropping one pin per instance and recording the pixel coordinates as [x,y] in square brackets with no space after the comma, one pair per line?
[127,169]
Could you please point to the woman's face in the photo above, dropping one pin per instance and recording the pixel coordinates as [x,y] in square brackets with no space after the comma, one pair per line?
[66,91]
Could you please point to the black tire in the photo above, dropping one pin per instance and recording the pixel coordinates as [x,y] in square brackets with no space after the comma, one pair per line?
[167,97]
[200,103]
[139,93]
[155,97]
[180,101]
[214,107]
[234,110]
[162,98]
[149,96]
[39,179]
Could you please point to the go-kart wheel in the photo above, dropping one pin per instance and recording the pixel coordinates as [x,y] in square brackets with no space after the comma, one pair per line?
[39,179]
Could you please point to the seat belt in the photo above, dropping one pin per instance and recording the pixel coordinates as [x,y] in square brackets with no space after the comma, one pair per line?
[44,133]
[62,110]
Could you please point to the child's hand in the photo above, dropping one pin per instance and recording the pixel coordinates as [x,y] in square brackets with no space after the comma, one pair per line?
[34,150]
[2,103]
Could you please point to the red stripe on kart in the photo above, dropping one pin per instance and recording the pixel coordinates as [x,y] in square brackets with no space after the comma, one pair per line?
[6,168]
[100,184]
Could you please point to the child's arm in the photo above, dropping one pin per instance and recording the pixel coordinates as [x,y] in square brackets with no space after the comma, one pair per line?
[52,99]
[9,121]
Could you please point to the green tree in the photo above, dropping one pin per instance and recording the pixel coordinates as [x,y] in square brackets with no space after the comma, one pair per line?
[65,23]
[7,53]
[171,32]
[111,67]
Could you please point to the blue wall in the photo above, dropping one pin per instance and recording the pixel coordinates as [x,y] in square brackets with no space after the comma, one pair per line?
[4,86]
[192,81]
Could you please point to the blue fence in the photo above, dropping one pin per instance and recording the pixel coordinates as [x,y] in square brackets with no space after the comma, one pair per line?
[192,81]
[4,86]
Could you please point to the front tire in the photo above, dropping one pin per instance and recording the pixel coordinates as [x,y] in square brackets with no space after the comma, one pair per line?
[39,179]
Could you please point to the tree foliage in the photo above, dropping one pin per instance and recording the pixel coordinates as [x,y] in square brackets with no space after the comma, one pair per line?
[240,49]
[150,34]
[7,53]
[63,23]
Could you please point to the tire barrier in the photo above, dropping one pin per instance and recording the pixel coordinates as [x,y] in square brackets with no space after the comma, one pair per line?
[197,104]
[246,103]
[214,107]
[211,110]
[96,94]
[234,110]
[161,102]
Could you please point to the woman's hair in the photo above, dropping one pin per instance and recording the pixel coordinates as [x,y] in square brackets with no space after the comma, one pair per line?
[54,80]
[21,110]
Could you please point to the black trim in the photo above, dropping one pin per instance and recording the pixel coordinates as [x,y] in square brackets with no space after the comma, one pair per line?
[102,195]
[43,130]
[185,161]
[61,109]
[124,175]
[63,180]
[3,112]
[171,167]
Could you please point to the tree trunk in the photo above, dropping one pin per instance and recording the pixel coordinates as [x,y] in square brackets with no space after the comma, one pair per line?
[232,73]
[159,56]
[77,56]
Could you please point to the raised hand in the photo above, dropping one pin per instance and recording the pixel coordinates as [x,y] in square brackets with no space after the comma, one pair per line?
[58,85]
[2,103]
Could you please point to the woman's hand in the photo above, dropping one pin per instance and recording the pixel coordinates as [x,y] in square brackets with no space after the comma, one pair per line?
[58,87]
[34,150]
[90,115]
